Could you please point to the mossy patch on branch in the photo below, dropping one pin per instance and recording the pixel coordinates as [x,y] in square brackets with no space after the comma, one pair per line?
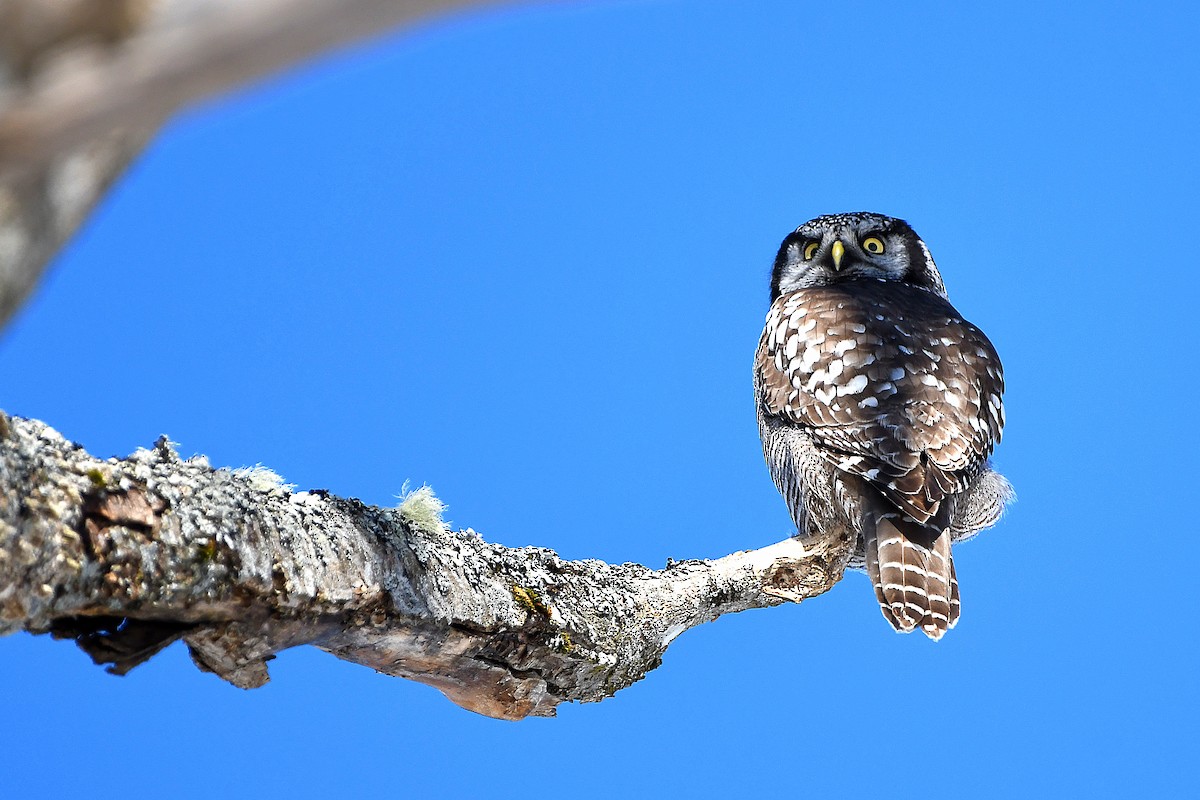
[531,601]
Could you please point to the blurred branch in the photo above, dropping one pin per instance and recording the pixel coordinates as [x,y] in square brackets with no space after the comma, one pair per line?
[127,556]
[40,208]
[85,83]
[162,56]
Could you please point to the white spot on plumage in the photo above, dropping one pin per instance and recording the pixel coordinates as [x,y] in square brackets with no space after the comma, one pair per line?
[853,386]
[845,344]
[868,402]
[897,373]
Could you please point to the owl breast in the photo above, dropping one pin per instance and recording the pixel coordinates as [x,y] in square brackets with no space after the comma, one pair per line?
[891,383]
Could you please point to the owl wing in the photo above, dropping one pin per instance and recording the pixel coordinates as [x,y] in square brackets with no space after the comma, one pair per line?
[890,381]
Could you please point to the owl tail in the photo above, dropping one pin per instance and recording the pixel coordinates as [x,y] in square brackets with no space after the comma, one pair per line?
[913,573]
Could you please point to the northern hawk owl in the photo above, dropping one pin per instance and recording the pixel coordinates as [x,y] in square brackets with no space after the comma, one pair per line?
[878,406]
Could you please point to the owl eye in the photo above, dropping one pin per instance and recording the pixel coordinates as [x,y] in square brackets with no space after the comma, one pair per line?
[810,250]
[873,245]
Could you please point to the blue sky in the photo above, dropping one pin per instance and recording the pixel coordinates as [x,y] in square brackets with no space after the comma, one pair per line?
[523,256]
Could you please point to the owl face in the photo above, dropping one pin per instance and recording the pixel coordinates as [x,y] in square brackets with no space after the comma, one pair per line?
[842,247]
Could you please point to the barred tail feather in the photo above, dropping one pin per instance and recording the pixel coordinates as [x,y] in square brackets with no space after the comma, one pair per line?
[955,605]
[913,573]
[939,585]
[872,558]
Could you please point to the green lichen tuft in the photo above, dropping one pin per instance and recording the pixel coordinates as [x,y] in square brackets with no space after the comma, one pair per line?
[421,509]
[97,477]
[263,479]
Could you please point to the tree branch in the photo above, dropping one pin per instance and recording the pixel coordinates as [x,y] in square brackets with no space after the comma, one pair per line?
[126,556]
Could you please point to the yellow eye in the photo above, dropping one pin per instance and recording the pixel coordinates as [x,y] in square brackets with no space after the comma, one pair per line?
[810,250]
[873,245]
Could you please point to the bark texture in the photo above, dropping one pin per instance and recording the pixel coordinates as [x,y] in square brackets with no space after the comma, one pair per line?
[127,556]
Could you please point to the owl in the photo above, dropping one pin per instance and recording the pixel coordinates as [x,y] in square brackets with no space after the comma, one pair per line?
[878,407]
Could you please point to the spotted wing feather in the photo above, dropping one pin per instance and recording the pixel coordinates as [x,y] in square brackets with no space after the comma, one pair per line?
[891,382]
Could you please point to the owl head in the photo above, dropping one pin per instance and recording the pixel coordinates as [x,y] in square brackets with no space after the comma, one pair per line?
[844,247]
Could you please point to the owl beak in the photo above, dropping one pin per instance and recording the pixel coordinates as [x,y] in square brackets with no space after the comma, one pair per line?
[837,251]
